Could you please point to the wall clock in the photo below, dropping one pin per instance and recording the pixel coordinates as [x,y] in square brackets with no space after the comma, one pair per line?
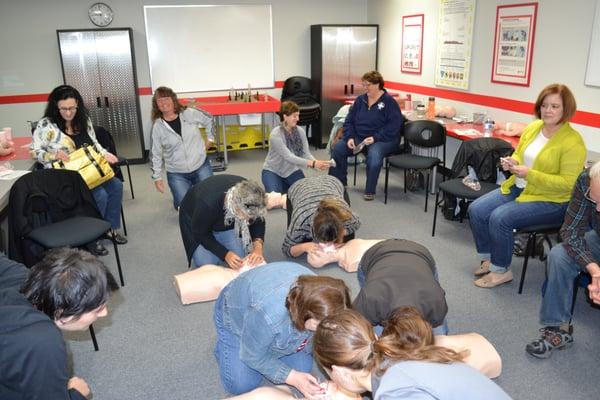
[100,14]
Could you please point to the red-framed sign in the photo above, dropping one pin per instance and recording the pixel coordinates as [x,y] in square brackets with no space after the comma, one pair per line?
[513,43]
[412,44]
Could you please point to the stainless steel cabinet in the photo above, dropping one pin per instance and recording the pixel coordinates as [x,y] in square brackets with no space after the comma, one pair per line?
[100,64]
[340,55]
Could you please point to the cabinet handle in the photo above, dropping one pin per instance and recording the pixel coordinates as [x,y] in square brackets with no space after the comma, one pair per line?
[106,102]
[345,89]
[98,102]
[352,89]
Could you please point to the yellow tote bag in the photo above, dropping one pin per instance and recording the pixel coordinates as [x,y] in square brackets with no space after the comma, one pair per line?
[90,164]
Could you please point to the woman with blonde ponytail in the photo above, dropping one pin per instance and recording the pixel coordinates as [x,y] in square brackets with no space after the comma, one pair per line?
[403,363]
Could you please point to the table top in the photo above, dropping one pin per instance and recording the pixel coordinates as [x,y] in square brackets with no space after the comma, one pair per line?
[465,131]
[221,105]
[21,150]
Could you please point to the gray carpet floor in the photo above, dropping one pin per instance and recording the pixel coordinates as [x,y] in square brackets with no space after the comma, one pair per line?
[152,347]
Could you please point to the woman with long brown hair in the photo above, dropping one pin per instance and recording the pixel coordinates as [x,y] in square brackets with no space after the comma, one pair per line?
[402,363]
[265,319]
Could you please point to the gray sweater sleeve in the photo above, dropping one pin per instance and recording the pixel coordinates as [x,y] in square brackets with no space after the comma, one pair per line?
[277,143]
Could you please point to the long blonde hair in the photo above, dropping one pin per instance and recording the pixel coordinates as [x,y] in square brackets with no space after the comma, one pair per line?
[346,339]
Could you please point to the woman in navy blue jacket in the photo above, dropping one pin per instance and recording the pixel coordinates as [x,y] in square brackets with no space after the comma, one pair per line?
[373,125]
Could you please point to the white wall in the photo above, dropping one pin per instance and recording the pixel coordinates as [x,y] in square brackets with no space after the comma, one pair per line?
[562,40]
[30,62]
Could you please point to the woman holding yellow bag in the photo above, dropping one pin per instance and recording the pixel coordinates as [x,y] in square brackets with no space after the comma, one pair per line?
[65,128]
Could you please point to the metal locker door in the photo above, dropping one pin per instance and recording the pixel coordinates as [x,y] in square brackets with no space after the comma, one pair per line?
[335,67]
[119,91]
[80,69]
[363,54]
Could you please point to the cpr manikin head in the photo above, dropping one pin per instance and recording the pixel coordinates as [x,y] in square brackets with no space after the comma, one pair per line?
[348,255]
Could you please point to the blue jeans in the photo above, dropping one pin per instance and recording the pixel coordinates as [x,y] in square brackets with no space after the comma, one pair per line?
[275,183]
[108,198]
[438,330]
[494,216]
[375,155]
[181,182]
[228,239]
[236,376]
[561,271]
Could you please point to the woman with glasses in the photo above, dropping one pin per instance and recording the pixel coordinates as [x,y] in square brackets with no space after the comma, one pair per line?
[543,169]
[177,142]
[373,125]
[65,127]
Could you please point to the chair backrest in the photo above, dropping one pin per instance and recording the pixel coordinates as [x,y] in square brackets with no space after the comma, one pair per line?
[106,140]
[425,133]
[483,155]
[425,136]
[294,85]
[40,198]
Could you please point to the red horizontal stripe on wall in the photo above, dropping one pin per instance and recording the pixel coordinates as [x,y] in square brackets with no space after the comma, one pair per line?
[279,84]
[145,91]
[524,107]
[24,98]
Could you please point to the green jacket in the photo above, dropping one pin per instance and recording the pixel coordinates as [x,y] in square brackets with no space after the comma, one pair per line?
[555,168]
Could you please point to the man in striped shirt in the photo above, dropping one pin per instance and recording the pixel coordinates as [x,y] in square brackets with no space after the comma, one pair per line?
[579,252]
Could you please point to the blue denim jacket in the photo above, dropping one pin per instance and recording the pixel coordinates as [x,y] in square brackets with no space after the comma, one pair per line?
[253,308]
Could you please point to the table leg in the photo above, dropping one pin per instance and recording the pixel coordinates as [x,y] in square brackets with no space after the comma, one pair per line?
[224,131]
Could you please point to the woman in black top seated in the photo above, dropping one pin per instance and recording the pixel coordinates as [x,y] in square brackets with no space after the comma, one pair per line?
[65,127]
[222,219]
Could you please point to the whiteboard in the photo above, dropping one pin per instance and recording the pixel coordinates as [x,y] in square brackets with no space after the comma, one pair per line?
[592,75]
[196,48]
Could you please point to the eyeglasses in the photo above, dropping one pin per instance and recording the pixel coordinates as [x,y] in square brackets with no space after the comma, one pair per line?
[163,99]
[366,84]
[587,196]
[67,109]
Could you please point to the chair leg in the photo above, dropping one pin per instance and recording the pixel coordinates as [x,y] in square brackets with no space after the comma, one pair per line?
[427,191]
[529,250]
[355,166]
[404,180]
[94,341]
[385,187]
[111,237]
[435,211]
[123,220]
[130,181]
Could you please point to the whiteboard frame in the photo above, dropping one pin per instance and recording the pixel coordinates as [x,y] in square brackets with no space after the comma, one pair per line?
[263,82]
[592,73]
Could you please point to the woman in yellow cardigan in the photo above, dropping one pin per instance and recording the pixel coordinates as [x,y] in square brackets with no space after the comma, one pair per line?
[544,167]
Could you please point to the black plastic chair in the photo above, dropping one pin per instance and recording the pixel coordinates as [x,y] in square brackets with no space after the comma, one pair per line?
[532,233]
[53,208]
[422,136]
[299,90]
[106,140]
[456,188]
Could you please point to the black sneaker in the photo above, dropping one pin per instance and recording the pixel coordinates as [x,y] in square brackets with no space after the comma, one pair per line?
[552,338]
[120,239]
[97,249]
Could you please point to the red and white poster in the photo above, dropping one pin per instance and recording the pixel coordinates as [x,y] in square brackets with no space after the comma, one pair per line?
[412,43]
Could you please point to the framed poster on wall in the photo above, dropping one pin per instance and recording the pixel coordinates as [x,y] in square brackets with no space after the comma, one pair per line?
[513,43]
[454,43]
[412,43]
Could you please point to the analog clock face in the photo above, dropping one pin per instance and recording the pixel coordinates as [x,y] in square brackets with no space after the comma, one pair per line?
[100,14]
